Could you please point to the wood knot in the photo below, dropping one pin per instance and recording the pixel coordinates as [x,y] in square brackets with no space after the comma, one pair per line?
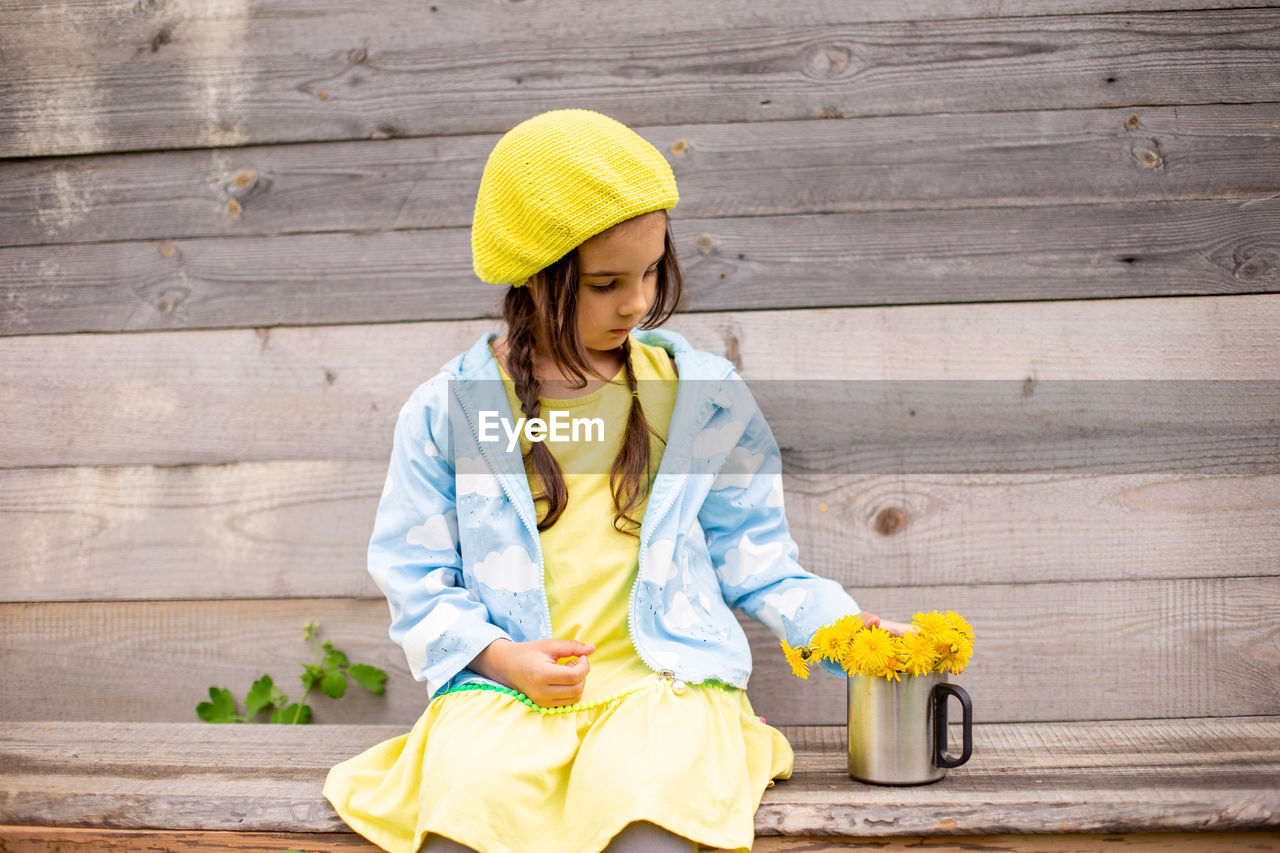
[165,36]
[322,95]
[828,112]
[357,55]
[890,520]
[243,179]
[733,351]
[1131,122]
[382,133]
[827,62]
[1148,158]
[706,244]
[679,146]
[1250,269]
[234,208]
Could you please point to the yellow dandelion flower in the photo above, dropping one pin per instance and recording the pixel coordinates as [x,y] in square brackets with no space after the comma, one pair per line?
[830,641]
[956,650]
[870,652]
[827,643]
[847,626]
[960,656]
[797,659]
[893,668]
[932,623]
[955,620]
[891,672]
[919,653]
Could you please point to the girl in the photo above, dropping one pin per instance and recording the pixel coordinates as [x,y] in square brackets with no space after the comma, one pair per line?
[568,603]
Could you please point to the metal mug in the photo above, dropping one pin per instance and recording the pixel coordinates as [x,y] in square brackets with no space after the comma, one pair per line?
[898,729]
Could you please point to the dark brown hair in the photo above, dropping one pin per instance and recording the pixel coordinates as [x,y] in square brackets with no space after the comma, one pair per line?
[550,301]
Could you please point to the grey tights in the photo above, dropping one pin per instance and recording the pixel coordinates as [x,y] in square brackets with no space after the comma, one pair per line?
[639,837]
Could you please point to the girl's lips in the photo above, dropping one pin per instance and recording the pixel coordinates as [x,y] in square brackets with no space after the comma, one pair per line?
[621,331]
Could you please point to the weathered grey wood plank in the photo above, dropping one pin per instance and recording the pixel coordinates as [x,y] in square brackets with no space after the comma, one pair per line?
[739,169]
[300,529]
[168,77]
[1045,651]
[881,258]
[22,839]
[1175,842]
[332,392]
[1109,777]
[330,22]
[32,839]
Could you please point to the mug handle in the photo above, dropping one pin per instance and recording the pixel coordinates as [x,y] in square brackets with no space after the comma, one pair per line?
[940,724]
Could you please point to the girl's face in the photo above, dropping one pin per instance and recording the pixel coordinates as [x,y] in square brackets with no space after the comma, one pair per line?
[618,279]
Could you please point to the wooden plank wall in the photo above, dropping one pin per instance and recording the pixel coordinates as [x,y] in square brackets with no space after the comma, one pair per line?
[234,237]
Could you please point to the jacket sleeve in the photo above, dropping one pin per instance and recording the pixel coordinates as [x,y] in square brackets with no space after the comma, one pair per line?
[749,539]
[414,553]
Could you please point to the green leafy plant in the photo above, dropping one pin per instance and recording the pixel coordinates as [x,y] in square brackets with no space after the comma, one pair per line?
[329,674]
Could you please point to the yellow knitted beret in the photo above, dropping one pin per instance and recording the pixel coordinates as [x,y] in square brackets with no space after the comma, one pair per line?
[556,180]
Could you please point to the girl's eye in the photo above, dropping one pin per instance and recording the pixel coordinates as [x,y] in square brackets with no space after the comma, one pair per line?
[604,288]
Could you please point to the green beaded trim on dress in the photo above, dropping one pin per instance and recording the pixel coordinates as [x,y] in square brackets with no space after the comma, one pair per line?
[566,709]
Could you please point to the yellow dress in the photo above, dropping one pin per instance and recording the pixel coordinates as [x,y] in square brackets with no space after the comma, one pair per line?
[493,771]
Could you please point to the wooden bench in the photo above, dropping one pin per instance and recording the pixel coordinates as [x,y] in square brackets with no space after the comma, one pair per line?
[976,224]
[179,786]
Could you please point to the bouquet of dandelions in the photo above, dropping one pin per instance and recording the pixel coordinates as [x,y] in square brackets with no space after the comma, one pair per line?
[938,642]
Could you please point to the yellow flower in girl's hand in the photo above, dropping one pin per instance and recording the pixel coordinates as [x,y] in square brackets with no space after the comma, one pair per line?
[796,658]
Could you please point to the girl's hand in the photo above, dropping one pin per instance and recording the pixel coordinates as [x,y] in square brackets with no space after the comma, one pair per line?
[897,629]
[532,668]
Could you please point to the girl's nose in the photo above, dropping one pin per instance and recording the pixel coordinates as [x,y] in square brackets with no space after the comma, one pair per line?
[634,301]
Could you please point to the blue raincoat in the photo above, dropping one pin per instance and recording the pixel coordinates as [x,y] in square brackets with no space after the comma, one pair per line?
[455,547]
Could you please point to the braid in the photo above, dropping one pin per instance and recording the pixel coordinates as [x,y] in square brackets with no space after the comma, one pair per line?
[520,315]
[629,477]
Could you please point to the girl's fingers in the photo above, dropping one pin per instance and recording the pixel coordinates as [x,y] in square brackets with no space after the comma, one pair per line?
[566,674]
[556,649]
[551,695]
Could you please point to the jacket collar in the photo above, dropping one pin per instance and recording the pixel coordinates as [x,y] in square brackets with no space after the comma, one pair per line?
[478,387]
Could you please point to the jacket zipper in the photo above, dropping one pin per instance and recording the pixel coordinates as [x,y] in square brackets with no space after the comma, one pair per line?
[662,514]
[635,585]
[537,543]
